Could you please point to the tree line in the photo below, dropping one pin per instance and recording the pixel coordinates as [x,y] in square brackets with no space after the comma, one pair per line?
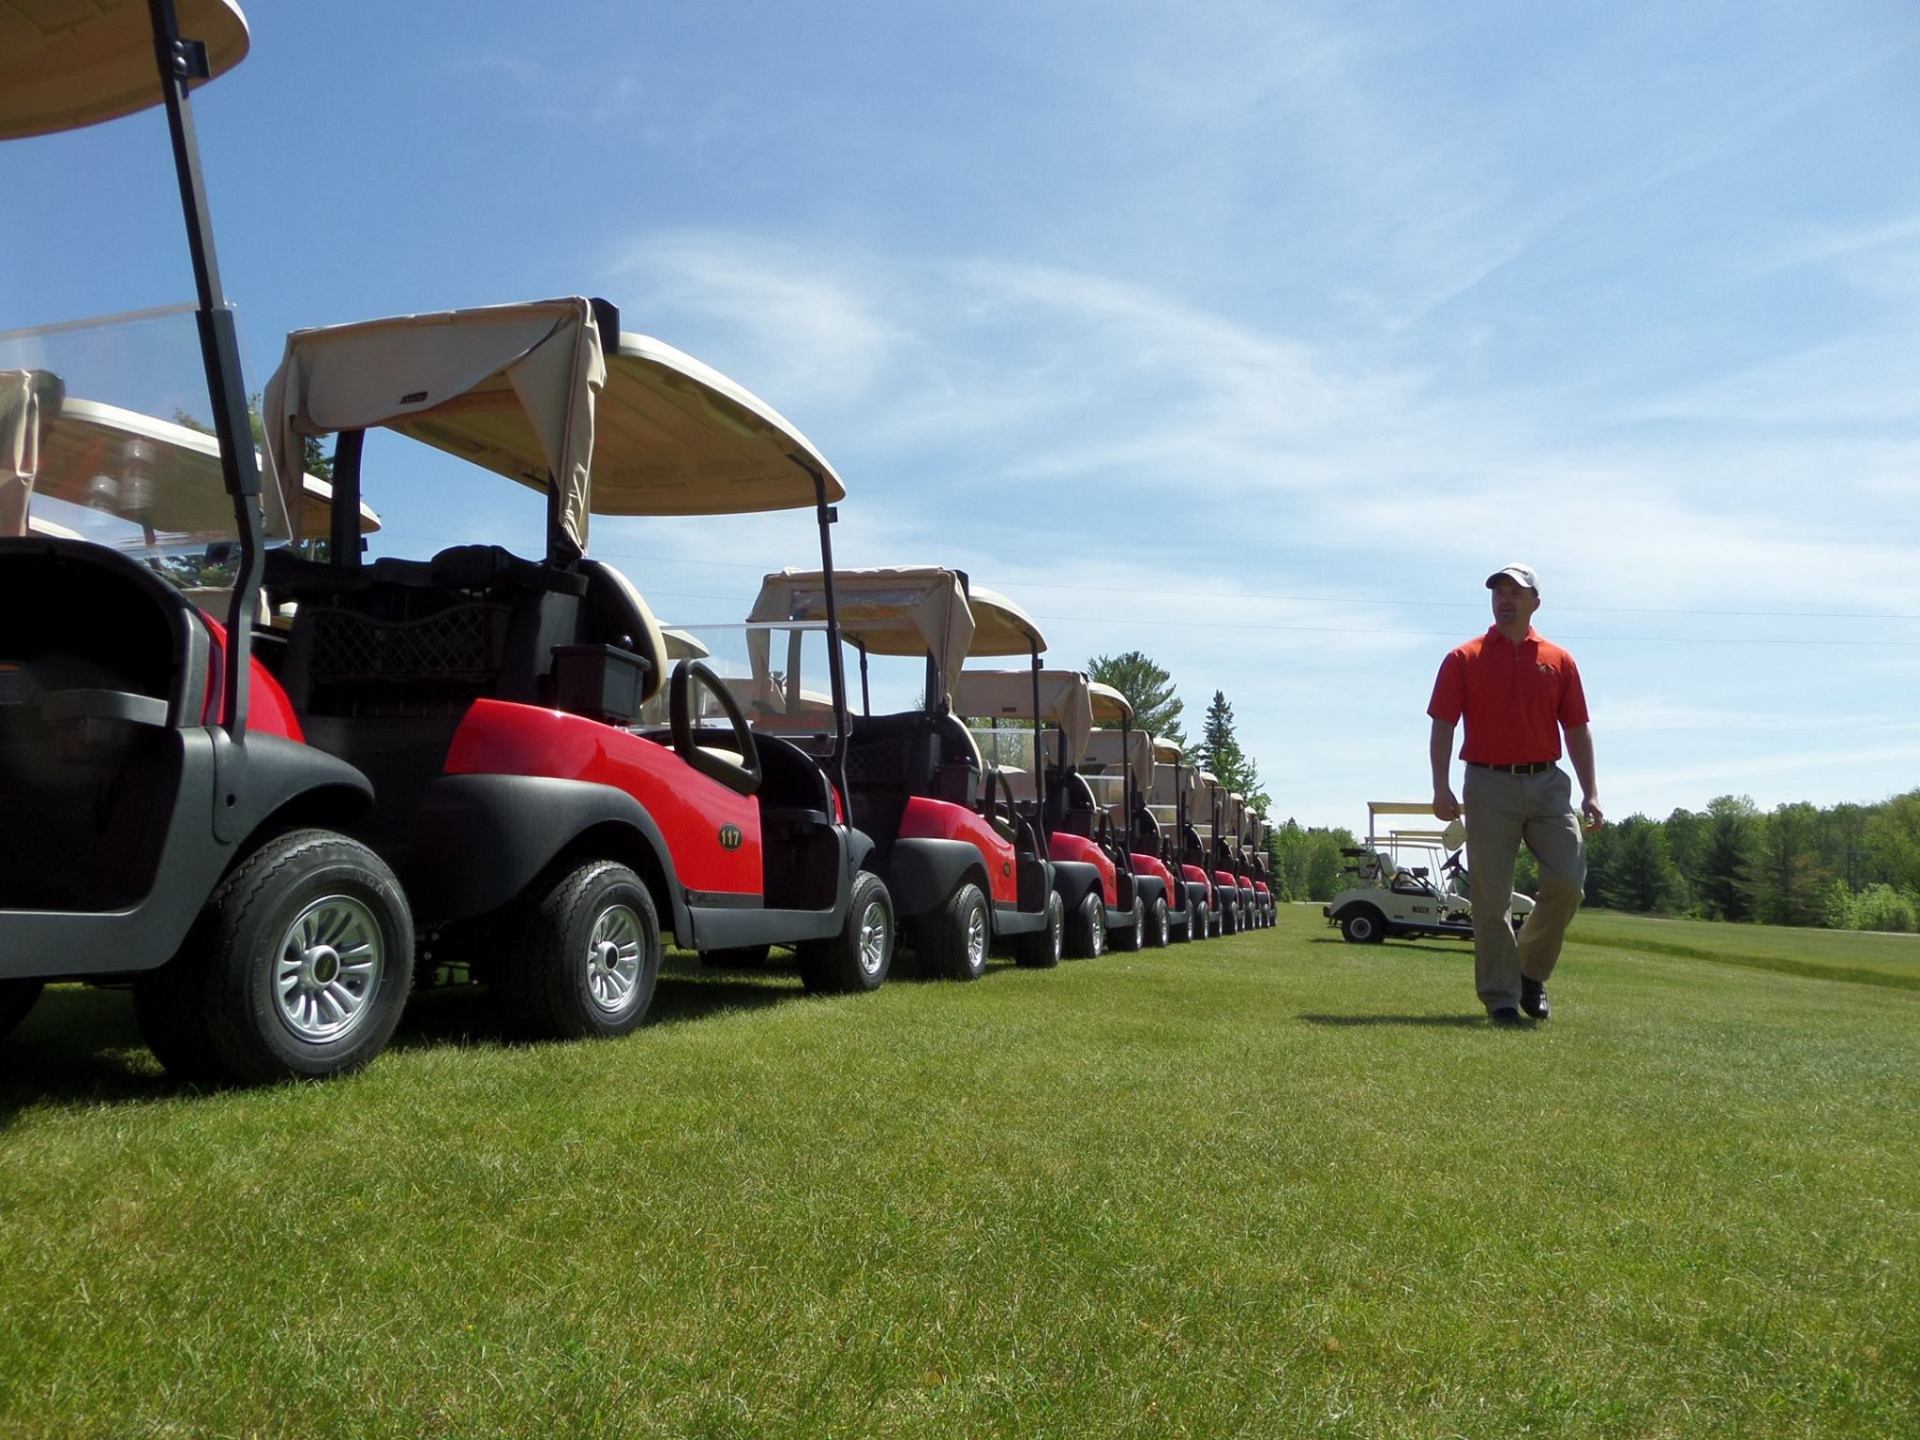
[1842,867]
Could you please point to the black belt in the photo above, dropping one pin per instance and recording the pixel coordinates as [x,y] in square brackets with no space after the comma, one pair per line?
[1533,768]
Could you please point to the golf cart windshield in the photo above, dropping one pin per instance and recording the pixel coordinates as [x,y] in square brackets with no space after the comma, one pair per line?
[776,673]
[105,436]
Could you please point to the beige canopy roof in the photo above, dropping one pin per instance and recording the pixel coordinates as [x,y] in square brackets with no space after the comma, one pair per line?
[1063,700]
[682,646]
[1166,752]
[1104,746]
[1110,707]
[1002,627]
[61,455]
[68,63]
[527,392]
[911,610]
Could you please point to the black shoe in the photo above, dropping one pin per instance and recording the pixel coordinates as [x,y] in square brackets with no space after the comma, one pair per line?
[1506,1017]
[1533,997]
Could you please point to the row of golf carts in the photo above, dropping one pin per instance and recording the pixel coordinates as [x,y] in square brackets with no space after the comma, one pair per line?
[272,783]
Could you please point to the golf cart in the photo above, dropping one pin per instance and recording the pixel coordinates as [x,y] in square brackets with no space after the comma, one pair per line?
[1120,769]
[1394,896]
[964,866]
[1092,871]
[1240,859]
[164,823]
[1260,859]
[544,831]
[1221,858]
[1173,784]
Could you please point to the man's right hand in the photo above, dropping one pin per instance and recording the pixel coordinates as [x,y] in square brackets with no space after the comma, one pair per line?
[1445,807]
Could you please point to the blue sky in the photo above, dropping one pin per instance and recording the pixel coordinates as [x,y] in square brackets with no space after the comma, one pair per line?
[1252,336]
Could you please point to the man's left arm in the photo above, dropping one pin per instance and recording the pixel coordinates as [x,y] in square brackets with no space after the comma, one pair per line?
[1580,752]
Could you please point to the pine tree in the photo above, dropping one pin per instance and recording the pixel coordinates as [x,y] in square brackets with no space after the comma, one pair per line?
[1148,688]
[1220,753]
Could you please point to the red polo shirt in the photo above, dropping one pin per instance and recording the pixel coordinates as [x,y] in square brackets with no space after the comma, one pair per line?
[1515,697]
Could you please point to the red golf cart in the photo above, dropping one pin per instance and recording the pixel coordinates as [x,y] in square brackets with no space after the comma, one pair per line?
[544,830]
[965,867]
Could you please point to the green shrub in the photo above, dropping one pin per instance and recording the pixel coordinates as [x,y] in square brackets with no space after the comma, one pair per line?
[1881,907]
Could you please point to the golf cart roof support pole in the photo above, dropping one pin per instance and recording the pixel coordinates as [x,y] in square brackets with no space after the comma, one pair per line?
[1126,788]
[179,61]
[1039,767]
[836,664]
[866,696]
[343,533]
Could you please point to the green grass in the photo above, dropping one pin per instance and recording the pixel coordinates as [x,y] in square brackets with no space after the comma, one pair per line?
[1267,1186]
[1868,959]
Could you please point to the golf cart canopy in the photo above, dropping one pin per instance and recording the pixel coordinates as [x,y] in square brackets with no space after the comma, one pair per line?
[1110,707]
[1064,705]
[1104,748]
[912,610]
[69,63]
[530,392]
[1377,808]
[101,458]
[1002,627]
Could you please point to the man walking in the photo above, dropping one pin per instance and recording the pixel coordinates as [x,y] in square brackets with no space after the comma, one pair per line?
[1519,693]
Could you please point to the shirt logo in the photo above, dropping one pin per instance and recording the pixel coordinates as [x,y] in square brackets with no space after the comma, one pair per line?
[1545,669]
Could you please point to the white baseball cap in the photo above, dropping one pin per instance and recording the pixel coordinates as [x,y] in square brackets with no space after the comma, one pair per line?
[1519,574]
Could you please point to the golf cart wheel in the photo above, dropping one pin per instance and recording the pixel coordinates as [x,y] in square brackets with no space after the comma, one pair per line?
[859,957]
[736,957]
[1159,928]
[1087,935]
[1133,936]
[587,958]
[1363,925]
[1229,919]
[1200,922]
[957,936]
[1043,948]
[16,999]
[297,969]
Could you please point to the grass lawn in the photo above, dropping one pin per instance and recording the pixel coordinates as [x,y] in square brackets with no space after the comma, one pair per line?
[1266,1186]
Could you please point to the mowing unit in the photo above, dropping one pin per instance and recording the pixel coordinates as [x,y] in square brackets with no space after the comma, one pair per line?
[164,824]
[1393,896]
[546,831]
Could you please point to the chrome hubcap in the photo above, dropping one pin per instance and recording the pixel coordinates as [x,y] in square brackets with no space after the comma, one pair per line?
[873,938]
[977,940]
[613,959]
[327,968]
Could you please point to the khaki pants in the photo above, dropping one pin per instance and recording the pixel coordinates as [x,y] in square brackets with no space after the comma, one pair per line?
[1503,810]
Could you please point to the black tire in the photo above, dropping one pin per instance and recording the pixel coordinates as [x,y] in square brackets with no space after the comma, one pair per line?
[956,937]
[17,997]
[861,955]
[1087,931]
[297,968]
[586,960]
[736,957]
[1229,920]
[1132,937]
[1200,922]
[1363,925]
[1159,927]
[1043,948]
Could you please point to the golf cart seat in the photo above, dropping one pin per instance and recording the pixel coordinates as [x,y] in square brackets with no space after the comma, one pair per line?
[88,763]
[893,757]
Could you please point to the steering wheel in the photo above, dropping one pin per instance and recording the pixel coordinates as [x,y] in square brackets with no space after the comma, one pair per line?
[744,777]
